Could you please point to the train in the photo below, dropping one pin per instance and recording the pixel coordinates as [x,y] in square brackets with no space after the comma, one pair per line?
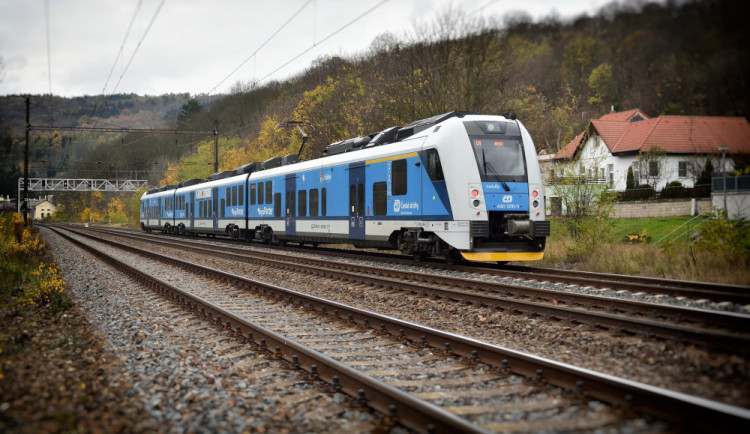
[457,186]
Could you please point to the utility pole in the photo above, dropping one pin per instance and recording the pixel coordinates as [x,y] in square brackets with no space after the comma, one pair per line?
[26,166]
[216,146]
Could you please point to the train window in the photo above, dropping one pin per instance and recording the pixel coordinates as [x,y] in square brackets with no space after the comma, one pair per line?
[399,177]
[434,168]
[379,198]
[323,202]
[314,202]
[277,205]
[260,193]
[269,190]
[352,199]
[241,195]
[228,195]
[223,208]
[252,194]
[302,203]
[234,196]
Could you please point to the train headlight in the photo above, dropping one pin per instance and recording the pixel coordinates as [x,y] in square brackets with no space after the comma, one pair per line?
[535,203]
[534,194]
[476,202]
[475,193]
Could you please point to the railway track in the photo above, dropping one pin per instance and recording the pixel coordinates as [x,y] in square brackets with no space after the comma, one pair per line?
[448,361]
[650,285]
[718,329]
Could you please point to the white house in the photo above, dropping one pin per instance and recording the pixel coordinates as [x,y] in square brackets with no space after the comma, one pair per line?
[42,208]
[660,150]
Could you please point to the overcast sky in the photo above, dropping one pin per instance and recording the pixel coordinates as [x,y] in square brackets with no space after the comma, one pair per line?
[194,45]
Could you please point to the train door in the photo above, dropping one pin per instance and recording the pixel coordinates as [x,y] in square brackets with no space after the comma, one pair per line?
[291,204]
[215,206]
[357,201]
[190,210]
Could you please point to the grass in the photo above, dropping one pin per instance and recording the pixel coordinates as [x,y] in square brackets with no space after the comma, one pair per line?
[716,251]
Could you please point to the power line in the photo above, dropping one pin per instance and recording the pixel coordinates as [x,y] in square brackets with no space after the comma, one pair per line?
[262,45]
[139,44]
[122,48]
[324,39]
[116,130]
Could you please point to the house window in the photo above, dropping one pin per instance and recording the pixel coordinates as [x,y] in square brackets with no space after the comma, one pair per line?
[682,169]
[611,171]
[636,171]
[653,168]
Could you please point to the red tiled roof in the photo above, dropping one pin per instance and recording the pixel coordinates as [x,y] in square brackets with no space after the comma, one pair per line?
[673,134]
[684,135]
[570,149]
[625,116]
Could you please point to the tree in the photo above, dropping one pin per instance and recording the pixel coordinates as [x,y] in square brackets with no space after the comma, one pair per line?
[188,111]
[653,164]
[603,84]
[586,208]
[630,181]
[708,172]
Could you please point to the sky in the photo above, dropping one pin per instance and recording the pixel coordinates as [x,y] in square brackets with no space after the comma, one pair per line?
[154,47]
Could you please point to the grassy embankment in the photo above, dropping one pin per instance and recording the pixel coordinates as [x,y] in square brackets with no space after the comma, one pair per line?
[714,250]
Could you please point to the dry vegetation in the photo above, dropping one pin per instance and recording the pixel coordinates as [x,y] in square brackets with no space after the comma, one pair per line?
[719,253]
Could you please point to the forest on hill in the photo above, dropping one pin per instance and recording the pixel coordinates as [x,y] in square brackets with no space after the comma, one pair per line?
[676,57]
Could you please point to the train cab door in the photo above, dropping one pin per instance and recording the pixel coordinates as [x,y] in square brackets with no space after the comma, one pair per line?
[357,201]
[291,205]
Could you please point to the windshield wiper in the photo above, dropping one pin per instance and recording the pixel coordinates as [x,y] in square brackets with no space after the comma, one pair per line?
[494,172]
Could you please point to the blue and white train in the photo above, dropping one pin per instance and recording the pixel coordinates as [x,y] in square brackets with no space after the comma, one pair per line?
[456,186]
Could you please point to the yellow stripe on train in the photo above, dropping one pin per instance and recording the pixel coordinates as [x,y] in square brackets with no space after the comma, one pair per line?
[502,256]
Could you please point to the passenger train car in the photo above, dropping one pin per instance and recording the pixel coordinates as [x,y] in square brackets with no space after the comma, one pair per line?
[457,186]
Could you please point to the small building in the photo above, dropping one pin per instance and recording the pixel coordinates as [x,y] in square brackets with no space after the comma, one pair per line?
[42,208]
[659,150]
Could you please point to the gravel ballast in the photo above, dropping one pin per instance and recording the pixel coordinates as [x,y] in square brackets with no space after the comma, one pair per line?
[178,373]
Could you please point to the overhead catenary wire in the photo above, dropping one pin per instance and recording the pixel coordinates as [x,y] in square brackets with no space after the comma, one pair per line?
[252,56]
[138,46]
[119,54]
[340,29]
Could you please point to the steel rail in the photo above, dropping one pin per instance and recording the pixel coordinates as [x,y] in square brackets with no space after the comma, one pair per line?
[650,285]
[395,279]
[412,412]
[686,411]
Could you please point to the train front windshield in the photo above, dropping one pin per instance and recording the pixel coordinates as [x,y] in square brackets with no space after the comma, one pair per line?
[498,148]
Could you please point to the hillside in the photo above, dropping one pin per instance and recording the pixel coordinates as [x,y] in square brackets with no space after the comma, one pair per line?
[674,58]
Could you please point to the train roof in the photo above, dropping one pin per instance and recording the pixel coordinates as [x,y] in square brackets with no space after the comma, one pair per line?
[342,152]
